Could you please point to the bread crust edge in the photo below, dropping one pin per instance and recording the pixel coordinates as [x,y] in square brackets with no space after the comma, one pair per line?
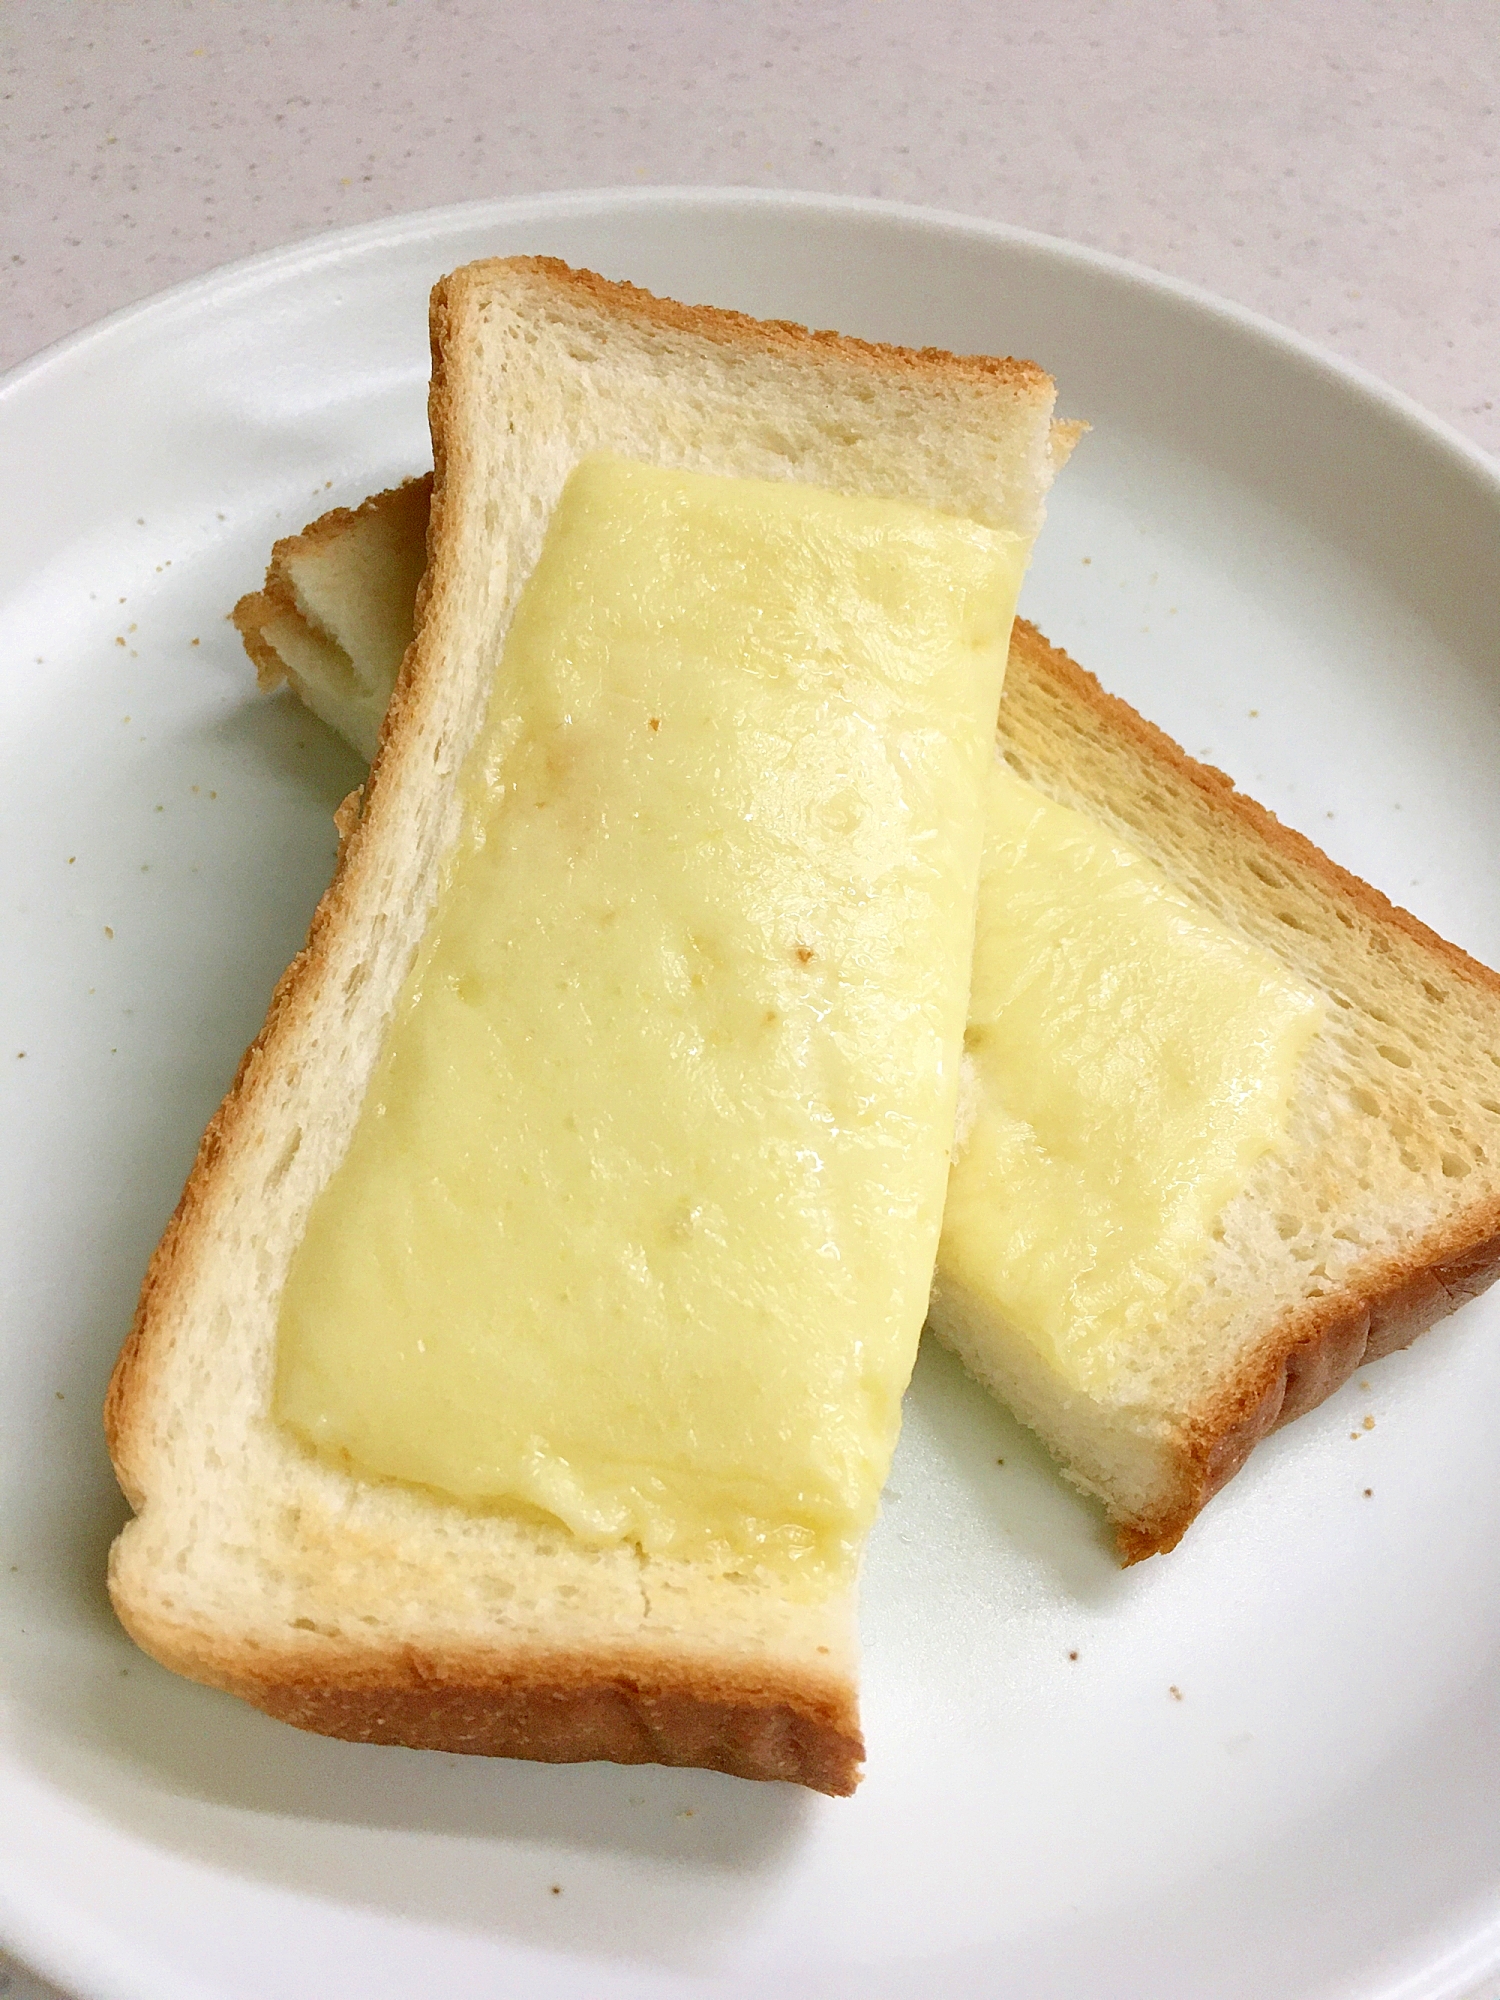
[725,328]
[1314,1350]
[1310,1354]
[627,1706]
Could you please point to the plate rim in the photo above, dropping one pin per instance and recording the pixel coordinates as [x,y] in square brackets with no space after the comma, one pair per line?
[386,232]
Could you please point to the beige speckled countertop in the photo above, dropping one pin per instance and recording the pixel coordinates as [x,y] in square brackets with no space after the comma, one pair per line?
[1335,163]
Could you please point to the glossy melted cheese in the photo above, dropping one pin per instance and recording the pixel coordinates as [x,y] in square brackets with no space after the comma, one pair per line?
[638,1221]
[1130,1060]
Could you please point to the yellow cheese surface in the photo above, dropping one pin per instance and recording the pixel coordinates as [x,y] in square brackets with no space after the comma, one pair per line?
[638,1220]
[1130,1060]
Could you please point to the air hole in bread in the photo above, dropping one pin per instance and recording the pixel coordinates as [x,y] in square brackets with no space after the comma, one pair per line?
[777,443]
[1394,1055]
[1365,1100]
[1435,994]
[1489,1104]
[1442,1110]
[284,1160]
[1454,1168]
[1292,921]
[1263,873]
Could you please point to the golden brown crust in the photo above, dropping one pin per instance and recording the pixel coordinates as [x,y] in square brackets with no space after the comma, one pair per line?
[129,1382]
[1313,1352]
[129,1379]
[733,329]
[250,617]
[275,597]
[609,1718]
[1050,662]
[330,527]
[624,1708]
[1315,1349]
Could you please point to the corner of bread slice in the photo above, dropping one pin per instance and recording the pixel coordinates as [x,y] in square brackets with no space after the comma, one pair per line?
[381,1613]
[1377,1214]
[368,1609]
[334,616]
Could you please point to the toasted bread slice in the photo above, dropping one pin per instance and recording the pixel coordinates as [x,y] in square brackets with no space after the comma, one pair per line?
[336,614]
[1380,1214]
[362,1607]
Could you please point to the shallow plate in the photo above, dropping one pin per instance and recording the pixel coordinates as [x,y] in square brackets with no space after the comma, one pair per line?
[1266,1765]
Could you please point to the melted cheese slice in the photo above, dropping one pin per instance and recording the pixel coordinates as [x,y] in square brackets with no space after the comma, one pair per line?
[638,1221]
[1129,1061]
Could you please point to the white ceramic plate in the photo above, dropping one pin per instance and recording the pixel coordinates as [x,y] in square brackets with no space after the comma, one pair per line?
[1273,1766]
